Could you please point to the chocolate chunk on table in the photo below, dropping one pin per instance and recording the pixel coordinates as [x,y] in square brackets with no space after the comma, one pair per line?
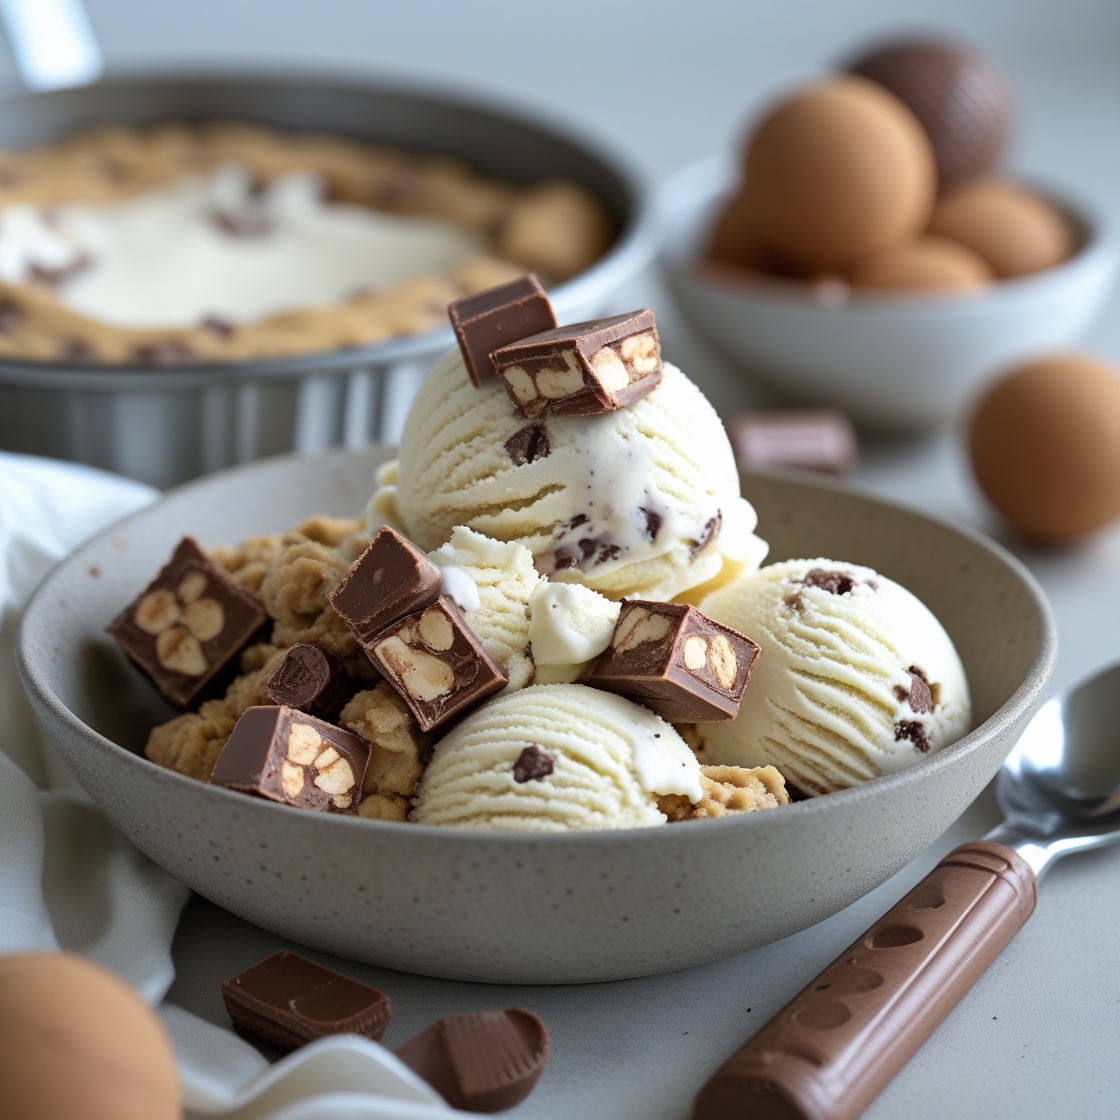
[583,369]
[288,1000]
[287,755]
[809,441]
[676,661]
[483,1062]
[497,317]
[433,659]
[391,579]
[310,679]
[187,625]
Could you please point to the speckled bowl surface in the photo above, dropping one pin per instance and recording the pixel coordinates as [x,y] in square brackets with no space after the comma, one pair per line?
[509,908]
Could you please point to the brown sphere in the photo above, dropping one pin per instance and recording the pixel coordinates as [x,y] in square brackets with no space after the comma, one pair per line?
[1015,230]
[736,238]
[1045,446]
[836,173]
[929,264]
[963,101]
[76,1041]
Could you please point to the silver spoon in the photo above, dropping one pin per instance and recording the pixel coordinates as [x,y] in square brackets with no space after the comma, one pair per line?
[834,1047]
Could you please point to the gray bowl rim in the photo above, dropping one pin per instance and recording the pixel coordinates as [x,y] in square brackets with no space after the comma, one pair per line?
[635,246]
[698,186]
[1016,708]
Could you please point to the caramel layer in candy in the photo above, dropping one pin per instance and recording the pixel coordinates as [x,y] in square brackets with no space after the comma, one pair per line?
[483,1062]
[433,659]
[289,1001]
[676,661]
[289,756]
[496,318]
[311,679]
[583,369]
[187,625]
[391,579]
[809,441]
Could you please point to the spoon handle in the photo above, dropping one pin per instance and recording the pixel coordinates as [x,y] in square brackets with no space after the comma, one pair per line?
[834,1047]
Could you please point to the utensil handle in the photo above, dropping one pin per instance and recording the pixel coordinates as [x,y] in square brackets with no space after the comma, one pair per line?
[833,1048]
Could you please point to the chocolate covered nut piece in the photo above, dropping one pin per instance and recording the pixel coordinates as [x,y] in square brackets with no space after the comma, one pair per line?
[583,369]
[391,579]
[496,318]
[287,755]
[187,625]
[433,659]
[310,679]
[808,441]
[483,1062]
[676,661]
[289,1001]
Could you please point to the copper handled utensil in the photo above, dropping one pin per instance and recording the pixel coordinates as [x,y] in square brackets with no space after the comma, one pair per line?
[834,1047]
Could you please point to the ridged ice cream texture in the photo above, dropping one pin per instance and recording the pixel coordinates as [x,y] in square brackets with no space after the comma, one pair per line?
[829,696]
[611,758]
[643,501]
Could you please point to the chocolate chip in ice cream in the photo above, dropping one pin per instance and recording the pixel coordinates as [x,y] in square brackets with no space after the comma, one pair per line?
[919,695]
[532,764]
[708,534]
[653,522]
[915,731]
[528,444]
[835,583]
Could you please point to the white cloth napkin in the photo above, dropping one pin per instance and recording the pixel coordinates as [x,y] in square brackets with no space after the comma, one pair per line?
[70,881]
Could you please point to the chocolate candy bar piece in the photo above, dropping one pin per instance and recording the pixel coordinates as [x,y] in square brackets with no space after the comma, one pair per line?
[285,755]
[676,661]
[809,441]
[391,579]
[289,1001]
[187,625]
[310,679]
[583,369]
[496,318]
[433,659]
[483,1062]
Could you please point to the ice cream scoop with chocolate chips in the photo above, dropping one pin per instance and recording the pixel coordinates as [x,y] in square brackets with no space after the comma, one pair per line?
[856,677]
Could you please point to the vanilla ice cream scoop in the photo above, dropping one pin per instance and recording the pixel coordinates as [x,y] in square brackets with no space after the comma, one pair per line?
[856,677]
[552,758]
[642,501]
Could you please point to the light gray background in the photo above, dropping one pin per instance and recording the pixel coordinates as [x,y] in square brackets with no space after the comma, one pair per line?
[1039,1035]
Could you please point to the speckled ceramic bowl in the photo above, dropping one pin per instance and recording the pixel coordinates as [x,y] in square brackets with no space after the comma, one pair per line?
[526,909]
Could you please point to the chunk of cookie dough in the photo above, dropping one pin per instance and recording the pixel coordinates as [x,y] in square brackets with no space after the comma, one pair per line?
[729,791]
[247,563]
[399,750]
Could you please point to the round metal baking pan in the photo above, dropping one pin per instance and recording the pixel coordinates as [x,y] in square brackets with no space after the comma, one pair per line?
[164,426]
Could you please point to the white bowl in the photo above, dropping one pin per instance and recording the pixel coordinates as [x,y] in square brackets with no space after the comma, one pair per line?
[889,361]
[526,908]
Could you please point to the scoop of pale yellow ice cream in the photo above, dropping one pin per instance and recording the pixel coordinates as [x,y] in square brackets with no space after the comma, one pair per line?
[856,677]
[569,626]
[553,758]
[643,501]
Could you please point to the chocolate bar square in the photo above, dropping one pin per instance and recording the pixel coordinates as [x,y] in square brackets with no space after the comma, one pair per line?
[285,755]
[433,659]
[391,579]
[676,661]
[583,369]
[310,679]
[496,318]
[187,625]
[288,1000]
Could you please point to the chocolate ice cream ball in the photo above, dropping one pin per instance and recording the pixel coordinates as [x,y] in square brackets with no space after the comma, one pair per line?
[963,101]
[76,1041]
[1045,446]
[1015,230]
[837,172]
[927,264]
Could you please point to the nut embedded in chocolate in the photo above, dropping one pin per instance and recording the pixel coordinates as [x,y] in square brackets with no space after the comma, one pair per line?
[583,369]
[390,580]
[496,317]
[310,679]
[289,1001]
[286,755]
[483,1062]
[433,659]
[676,661]
[187,625]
